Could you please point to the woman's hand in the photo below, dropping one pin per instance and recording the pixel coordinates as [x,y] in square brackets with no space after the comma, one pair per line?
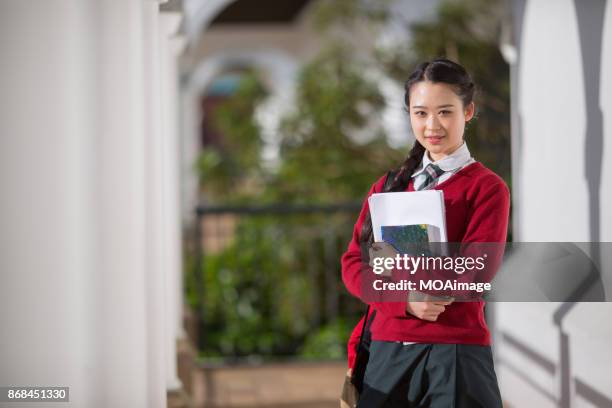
[421,305]
[382,250]
[425,306]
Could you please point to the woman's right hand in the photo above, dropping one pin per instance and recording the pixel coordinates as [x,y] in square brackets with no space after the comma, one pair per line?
[425,306]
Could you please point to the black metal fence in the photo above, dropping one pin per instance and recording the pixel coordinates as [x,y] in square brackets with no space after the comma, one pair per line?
[266,281]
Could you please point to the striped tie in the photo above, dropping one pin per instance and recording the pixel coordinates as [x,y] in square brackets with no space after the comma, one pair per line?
[428,177]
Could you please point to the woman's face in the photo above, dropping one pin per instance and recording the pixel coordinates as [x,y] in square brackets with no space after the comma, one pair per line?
[438,117]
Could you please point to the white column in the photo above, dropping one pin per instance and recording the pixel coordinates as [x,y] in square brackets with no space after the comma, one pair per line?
[177,45]
[558,209]
[157,325]
[119,182]
[170,48]
[546,140]
[190,145]
[48,295]
[81,299]
[606,106]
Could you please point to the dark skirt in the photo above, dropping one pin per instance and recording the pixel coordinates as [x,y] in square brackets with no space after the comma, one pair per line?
[430,375]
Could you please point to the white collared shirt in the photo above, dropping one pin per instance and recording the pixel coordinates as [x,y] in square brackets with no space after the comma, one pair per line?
[450,164]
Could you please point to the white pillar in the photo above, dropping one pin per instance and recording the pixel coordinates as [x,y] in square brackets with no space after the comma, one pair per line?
[170,48]
[81,299]
[155,243]
[560,209]
[190,145]
[48,294]
[178,44]
[120,194]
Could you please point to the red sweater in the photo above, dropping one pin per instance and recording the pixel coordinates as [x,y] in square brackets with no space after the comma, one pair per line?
[477,203]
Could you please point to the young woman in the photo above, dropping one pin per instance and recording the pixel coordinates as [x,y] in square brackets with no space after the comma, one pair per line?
[434,353]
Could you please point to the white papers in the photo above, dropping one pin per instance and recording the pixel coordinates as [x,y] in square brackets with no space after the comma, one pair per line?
[409,208]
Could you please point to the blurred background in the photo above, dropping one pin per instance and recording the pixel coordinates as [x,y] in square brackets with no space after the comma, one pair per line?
[180,179]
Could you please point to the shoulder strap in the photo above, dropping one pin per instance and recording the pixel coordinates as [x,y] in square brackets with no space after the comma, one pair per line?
[363,327]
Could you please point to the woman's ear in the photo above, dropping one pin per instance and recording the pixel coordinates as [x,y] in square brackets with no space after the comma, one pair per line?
[469,111]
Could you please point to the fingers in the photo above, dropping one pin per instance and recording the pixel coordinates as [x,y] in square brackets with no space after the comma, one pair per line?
[429,311]
[379,246]
[433,313]
[432,317]
[382,249]
[435,308]
[439,300]
[416,296]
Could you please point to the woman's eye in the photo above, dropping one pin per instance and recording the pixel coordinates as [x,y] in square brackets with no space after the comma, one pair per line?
[445,112]
[419,113]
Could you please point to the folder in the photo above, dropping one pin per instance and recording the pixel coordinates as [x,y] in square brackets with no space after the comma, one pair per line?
[416,216]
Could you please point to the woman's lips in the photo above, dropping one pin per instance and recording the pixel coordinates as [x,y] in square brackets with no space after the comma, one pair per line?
[434,139]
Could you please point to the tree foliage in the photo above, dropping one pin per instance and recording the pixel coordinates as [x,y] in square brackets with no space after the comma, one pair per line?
[322,159]
[232,169]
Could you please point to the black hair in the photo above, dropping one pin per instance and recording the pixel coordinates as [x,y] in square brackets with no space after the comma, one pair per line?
[439,70]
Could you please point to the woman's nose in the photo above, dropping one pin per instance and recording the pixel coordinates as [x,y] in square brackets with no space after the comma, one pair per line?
[432,122]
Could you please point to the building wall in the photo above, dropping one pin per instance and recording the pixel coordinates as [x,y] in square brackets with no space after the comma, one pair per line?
[555,354]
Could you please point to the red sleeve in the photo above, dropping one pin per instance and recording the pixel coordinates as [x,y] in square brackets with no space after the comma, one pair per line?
[353,268]
[487,227]
[353,343]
